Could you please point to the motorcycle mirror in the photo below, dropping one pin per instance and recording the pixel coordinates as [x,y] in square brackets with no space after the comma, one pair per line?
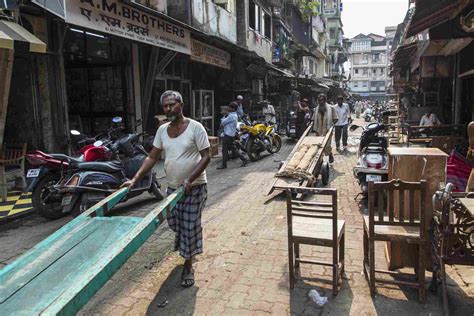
[75,133]
[117,119]
[98,143]
[353,127]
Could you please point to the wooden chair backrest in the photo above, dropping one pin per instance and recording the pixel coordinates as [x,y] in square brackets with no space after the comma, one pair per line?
[313,209]
[13,155]
[408,199]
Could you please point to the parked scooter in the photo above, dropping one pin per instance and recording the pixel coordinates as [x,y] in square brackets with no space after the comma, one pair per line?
[368,115]
[372,163]
[93,181]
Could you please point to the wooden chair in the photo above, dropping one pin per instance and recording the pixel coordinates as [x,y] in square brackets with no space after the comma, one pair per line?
[12,167]
[315,223]
[409,227]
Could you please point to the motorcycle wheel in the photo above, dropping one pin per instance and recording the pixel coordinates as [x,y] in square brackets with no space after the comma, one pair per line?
[252,150]
[276,144]
[155,190]
[83,203]
[48,211]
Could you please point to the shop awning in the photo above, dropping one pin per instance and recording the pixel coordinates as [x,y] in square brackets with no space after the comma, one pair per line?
[430,13]
[56,7]
[446,47]
[279,72]
[403,53]
[11,32]
[8,4]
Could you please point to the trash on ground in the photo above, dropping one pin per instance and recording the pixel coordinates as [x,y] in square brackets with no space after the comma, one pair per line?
[318,299]
[163,304]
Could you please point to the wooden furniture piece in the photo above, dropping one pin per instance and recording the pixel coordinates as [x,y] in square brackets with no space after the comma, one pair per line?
[214,142]
[60,274]
[12,167]
[451,233]
[445,143]
[424,134]
[382,225]
[414,164]
[315,223]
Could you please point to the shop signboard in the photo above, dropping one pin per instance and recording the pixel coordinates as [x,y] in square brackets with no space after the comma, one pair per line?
[210,55]
[120,19]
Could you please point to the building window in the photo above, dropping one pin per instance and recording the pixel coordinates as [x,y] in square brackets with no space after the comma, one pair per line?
[382,71]
[332,33]
[356,71]
[374,71]
[356,84]
[252,13]
[268,25]
[364,84]
[364,71]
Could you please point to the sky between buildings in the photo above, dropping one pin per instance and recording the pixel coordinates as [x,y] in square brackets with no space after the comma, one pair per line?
[371,16]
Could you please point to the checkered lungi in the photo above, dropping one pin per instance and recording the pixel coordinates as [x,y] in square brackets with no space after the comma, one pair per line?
[186,222]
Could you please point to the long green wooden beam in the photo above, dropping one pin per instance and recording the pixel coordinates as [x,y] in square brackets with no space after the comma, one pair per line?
[76,296]
[9,283]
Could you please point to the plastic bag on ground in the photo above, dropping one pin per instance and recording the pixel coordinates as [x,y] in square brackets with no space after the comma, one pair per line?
[318,299]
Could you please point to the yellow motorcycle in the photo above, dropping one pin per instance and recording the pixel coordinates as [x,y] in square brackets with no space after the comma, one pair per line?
[258,137]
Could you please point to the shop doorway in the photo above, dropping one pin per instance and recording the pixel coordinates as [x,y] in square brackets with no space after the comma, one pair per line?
[97,70]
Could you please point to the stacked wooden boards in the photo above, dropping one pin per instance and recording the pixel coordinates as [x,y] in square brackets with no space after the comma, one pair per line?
[322,143]
[61,274]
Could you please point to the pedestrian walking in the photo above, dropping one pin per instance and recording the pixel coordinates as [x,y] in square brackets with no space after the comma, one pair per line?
[343,119]
[185,145]
[229,123]
[269,113]
[240,106]
[302,109]
[323,119]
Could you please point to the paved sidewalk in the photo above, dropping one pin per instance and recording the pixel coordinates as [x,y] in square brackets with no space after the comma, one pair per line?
[244,269]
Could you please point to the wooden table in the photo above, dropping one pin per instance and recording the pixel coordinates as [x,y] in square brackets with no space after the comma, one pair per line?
[414,164]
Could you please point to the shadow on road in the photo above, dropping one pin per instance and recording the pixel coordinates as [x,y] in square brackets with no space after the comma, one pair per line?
[172,293]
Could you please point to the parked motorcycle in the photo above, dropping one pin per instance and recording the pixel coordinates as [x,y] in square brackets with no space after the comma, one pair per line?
[49,169]
[368,115]
[93,181]
[258,137]
[372,163]
[291,126]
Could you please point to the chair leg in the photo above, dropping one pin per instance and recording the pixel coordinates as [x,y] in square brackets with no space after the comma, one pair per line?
[444,288]
[335,270]
[365,263]
[372,267]
[341,252]
[291,264]
[421,272]
[297,254]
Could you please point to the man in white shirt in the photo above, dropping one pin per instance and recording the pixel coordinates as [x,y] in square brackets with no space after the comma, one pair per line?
[269,112]
[323,119]
[186,152]
[429,119]
[343,119]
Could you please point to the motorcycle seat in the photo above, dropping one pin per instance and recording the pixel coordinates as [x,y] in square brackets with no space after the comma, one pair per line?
[67,158]
[109,166]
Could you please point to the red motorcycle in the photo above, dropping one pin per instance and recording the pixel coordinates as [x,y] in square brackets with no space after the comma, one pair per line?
[49,169]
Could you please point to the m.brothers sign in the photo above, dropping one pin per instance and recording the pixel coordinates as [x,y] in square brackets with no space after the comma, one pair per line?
[121,19]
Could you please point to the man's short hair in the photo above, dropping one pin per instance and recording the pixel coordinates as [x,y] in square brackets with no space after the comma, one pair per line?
[322,95]
[305,100]
[239,97]
[339,97]
[177,96]
[233,106]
